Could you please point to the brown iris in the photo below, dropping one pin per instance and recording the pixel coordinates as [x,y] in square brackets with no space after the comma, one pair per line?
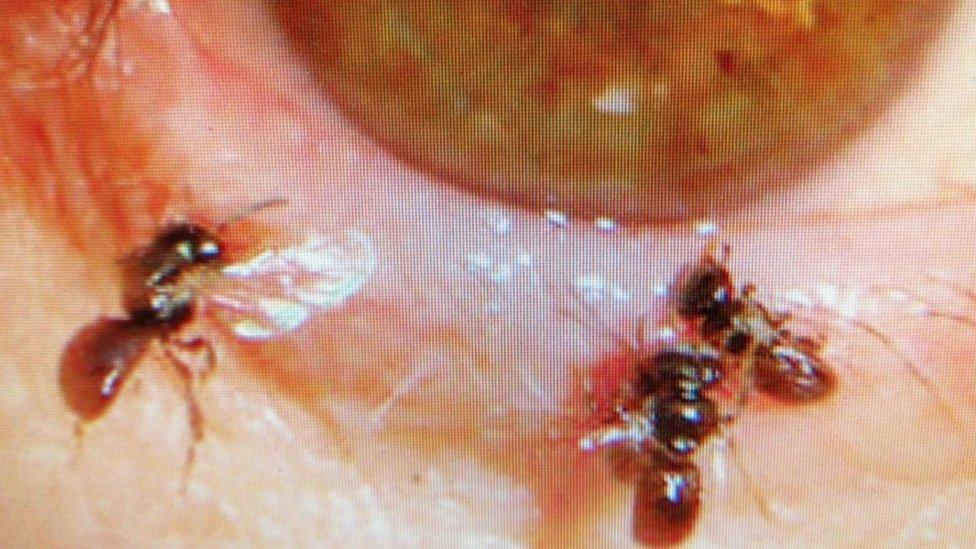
[642,110]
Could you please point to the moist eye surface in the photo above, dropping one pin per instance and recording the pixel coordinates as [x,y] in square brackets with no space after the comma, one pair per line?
[635,110]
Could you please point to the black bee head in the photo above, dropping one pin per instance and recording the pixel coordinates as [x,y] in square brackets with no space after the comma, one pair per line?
[190,243]
[705,291]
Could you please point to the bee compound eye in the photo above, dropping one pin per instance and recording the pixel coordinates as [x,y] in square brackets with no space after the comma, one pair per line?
[190,243]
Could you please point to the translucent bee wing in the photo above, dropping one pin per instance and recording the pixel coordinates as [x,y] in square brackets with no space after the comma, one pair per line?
[279,290]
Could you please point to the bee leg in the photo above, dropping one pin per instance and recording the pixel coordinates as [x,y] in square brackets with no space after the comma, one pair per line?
[192,376]
[79,431]
[727,443]
[199,345]
[640,335]
[746,386]
[196,431]
[79,434]
[923,377]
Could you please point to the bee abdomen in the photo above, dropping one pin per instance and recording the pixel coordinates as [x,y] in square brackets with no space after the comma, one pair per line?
[666,504]
[793,374]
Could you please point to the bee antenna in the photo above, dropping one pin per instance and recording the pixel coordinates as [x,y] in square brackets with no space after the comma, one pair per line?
[251,210]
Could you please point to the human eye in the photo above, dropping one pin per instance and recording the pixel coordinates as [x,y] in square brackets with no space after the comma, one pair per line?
[433,403]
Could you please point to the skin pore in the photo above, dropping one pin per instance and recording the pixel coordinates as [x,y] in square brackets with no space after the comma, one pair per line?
[434,406]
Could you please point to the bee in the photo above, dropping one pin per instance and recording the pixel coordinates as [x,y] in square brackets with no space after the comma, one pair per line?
[772,359]
[159,300]
[184,271]
[734,345]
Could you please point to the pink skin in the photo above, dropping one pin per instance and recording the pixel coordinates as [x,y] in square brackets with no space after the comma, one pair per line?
[398,418]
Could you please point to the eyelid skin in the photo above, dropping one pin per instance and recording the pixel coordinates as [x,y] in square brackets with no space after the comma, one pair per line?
[458,365]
